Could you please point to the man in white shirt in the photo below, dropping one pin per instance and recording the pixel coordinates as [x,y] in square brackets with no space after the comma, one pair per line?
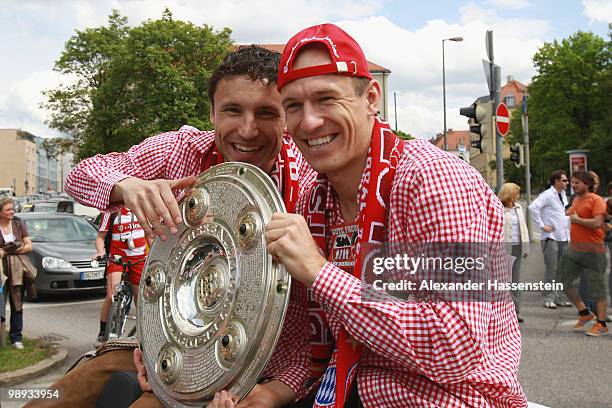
[548,212]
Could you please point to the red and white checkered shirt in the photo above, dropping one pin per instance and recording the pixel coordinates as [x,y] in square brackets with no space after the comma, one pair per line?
[174,155]
[170,156]
[454,354]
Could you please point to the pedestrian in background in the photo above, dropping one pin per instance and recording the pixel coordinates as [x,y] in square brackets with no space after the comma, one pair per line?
[19,271]
[515,233]
[585,290]
[120,234]
[548,213]
[586,257]
[608,239]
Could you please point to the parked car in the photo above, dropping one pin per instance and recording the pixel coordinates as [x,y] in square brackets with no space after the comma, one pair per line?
[40,206]
[19,202]
[88,212]
[63,245]
[49,205]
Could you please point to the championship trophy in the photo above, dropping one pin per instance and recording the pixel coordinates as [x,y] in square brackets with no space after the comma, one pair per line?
[211,299]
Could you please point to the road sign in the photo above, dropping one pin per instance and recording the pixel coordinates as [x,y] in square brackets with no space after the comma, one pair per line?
[502,119]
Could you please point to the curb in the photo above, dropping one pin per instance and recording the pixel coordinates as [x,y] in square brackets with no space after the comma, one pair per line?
[36,370]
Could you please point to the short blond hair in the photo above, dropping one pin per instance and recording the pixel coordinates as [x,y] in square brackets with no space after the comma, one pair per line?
[509,193]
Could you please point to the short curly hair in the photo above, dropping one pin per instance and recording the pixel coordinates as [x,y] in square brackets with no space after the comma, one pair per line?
[255,62]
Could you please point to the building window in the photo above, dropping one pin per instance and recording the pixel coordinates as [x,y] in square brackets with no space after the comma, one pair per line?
[509,101]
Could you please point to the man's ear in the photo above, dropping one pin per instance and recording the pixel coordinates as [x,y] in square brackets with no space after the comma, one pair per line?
[211,114]
[373,93]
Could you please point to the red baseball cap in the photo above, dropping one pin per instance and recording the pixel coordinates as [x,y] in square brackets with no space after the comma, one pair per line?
[346,55]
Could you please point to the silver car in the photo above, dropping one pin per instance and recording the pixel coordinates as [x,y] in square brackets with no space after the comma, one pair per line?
[63,245]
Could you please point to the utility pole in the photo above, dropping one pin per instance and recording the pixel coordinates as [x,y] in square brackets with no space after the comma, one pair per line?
[495,91]
[527,165]
[455,39]
[395,108]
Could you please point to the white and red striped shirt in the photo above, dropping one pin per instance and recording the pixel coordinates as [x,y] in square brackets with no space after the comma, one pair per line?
[177,154]
[125,227]
[419,354]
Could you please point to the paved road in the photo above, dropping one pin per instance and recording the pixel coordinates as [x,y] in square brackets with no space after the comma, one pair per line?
[559,368]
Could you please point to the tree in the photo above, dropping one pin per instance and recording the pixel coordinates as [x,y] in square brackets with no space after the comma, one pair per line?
[84,62]
[569,104]
[132,82]
[403,135]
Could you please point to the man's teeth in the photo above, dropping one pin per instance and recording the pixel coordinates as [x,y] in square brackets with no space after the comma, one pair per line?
[245,149]
[320,141]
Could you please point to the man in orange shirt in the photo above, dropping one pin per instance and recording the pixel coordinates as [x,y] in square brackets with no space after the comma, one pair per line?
[586,256]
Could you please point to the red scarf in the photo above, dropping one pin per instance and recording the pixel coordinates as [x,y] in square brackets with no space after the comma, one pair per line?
[284,172]
[374,192]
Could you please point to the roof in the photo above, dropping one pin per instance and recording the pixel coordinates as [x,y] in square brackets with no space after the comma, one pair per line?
[453,137]
[519,86]
[375,68]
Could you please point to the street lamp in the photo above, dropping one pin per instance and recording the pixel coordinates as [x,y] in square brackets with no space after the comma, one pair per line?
[455,39]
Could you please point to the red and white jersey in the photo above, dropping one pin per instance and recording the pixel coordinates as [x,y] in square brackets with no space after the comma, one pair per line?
[125,228]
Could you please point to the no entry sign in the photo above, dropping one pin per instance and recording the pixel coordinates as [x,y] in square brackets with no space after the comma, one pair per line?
[502,119]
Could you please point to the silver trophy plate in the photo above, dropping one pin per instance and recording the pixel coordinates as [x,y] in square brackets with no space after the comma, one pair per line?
[211,299]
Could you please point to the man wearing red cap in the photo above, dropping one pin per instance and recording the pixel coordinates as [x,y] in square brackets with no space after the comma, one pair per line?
[249,123]
[374,188]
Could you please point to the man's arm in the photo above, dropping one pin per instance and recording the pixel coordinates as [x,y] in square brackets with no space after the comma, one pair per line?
[137,178]
[594,223]
[535,210]
[289,367]
[100,249]
[92,180]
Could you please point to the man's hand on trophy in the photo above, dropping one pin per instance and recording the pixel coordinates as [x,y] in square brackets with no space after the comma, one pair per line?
[224,399]
[289,241]
[141,371]
[273,394]
[152,201]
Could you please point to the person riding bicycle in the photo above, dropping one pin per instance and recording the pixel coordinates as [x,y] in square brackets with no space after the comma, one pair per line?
[119,234]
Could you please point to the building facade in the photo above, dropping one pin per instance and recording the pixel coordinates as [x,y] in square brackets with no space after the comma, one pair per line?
[47,176]
[458,142]
[18,161]
[27,168]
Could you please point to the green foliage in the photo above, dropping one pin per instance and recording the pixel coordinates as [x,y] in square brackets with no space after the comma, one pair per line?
[56,146]
[34,351]
[403,135]
[128,83]
[569,104]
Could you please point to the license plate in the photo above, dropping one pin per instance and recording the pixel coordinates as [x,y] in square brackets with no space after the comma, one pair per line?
[93,275]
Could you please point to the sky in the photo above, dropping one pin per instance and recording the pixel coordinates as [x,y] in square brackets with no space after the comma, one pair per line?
[402,36]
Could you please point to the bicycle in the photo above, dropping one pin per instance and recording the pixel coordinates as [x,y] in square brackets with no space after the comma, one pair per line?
[122,300]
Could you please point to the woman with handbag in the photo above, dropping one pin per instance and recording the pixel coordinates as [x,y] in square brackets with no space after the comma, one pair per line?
[19,271]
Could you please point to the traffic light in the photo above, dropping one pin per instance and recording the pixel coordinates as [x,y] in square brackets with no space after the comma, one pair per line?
[481,114]
[517,155]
